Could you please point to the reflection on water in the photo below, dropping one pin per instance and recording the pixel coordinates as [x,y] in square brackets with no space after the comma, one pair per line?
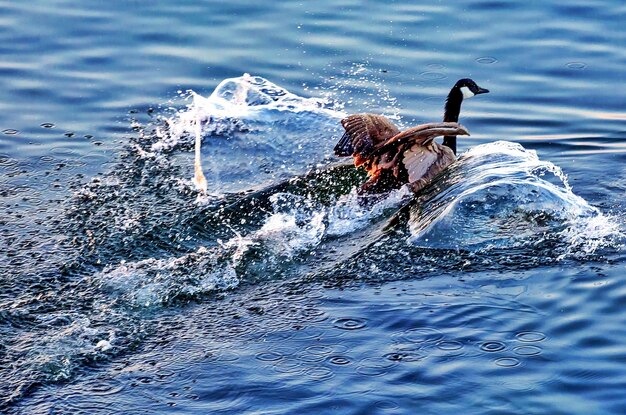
[497,290]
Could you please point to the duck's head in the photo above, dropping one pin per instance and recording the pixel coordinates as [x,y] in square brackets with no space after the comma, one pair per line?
[469,88]
[464,88]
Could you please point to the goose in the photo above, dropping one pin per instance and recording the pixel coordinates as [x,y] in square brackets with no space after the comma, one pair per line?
[393,158]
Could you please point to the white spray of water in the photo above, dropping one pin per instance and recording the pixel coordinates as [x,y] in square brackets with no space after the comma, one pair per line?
[234,102]
[497,195]
[272,132]
[198,179]
[500,195]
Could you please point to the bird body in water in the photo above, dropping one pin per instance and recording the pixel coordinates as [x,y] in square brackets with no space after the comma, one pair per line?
[393,158]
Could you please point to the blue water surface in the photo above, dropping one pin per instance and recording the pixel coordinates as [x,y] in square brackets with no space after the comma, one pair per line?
[497,290]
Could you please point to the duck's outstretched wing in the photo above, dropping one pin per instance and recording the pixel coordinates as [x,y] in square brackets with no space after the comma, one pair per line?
[421,135]
[364,132]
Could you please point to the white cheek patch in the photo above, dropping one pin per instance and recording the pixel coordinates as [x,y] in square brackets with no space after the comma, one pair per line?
[466,92]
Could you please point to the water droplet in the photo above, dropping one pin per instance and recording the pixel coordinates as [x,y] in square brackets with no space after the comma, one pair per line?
[576,65]
[312,314]
[145,379]
[48,125]
[164,374]
[527,350]
[387,405]
[507,362]
[486,60]
[449,345]
[269,356]
[319,350]
[349,323]
[339,360]
[433,75]
[10,131]
[435,66]
[422,335]
[530,336]
[63,151]
[55,187]
[374,367]
[320,373]
[492,346]
[103,387]
[288,366]
[390,73]
[406,356]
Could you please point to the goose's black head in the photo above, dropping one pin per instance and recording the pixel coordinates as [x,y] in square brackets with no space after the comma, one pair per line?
[469,88]
[464,88]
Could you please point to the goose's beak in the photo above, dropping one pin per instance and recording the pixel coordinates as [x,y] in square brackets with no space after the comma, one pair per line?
[482,91]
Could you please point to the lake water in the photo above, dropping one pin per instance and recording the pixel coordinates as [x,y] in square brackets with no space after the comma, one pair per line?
[498,290]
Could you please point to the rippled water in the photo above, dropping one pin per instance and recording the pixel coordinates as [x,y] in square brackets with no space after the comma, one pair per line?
[123,289]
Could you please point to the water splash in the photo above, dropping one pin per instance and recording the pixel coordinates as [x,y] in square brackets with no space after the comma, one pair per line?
[240,104]
[502,196]
[295,226]
[154,282]
[135,240]
[497,196]
[353,212]
[253,131]
[361,86]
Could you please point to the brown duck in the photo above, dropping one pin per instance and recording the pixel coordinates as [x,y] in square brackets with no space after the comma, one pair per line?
[393,158]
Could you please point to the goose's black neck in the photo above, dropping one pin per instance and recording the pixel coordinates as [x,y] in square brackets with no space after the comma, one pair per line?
[451,114]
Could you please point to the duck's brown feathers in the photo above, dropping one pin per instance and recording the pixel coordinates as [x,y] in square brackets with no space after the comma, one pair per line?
[393,158]
[364,132]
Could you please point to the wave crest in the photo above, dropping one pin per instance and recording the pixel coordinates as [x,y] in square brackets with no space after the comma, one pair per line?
[500,195]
